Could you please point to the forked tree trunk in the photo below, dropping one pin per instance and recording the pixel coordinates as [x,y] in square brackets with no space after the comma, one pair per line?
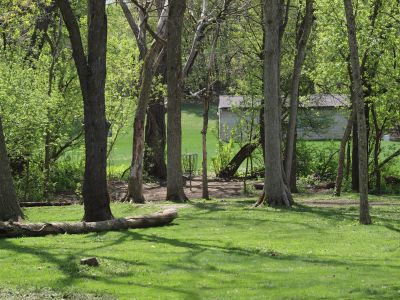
[342,154]
[13,229]
[135,181]
[301,46]
[276,192]
[9,207]
[358,100]
[175,83]
[92,75]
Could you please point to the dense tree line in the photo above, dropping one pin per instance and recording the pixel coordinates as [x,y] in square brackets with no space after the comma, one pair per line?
[69,70]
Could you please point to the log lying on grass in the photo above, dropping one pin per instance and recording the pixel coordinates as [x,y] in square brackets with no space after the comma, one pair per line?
[19,229]
[39,204]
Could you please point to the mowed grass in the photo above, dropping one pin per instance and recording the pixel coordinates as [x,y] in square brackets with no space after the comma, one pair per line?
[215,250]
[192,124]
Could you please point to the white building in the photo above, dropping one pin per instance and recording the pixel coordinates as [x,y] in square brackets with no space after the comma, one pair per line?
[321,117]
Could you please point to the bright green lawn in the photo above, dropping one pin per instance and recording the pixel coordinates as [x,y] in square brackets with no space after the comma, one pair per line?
[192,123]
[217,250]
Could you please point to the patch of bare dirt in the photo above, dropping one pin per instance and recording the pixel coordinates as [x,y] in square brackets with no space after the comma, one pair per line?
[155,192]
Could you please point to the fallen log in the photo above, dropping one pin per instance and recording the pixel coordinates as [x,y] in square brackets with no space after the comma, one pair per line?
[229,171]
[19,229]
[39,204]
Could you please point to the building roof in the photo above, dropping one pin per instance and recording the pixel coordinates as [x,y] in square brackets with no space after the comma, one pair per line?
[326,100]
[226,101]
[312,101]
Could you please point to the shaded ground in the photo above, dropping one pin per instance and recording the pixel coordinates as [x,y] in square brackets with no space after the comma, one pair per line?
[155,192]
[217,249]
[218,189]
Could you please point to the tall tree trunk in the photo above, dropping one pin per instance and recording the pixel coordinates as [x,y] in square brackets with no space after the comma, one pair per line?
[9,207]
[135,181]
[207,99]
[155,135]
[204,174]
[276,192]
[92,76]
[155,132]
[359,101]
[301,46]
[155,138]
[175,83]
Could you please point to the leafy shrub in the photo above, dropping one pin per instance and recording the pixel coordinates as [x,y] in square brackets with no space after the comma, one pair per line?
[224,155]
[317,159]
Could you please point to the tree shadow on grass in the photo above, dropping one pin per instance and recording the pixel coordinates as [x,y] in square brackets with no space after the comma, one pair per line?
[191,258]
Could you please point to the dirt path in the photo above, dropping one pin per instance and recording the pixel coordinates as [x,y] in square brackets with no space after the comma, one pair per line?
[155,192]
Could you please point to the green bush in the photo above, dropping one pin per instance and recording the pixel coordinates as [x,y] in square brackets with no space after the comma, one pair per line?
[317,159]
[224,155]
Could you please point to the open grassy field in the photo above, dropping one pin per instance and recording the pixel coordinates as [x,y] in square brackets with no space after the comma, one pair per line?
[214,250]
[192,122]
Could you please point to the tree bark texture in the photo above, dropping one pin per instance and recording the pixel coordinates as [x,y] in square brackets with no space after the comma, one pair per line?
[9,207]
[276,192]
[135,181]
[358,97]
[301,47]
[14,229]
[155,131]
[206,108]
[92,76]
[175,84]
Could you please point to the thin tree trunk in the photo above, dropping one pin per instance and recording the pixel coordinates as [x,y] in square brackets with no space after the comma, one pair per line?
[358,97]
[355,174]
[207,99]
[348,159]
[301,46]
[204,176]
[377,150]
[175,83]
[276,192]
[9,207]
[342,153]
[135,181]
[293,172]
[92,75]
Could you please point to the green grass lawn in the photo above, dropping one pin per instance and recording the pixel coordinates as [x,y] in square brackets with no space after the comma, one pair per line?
[192,123]
[214,250]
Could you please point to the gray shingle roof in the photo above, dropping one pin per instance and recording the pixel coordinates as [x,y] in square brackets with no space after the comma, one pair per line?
[313,101]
